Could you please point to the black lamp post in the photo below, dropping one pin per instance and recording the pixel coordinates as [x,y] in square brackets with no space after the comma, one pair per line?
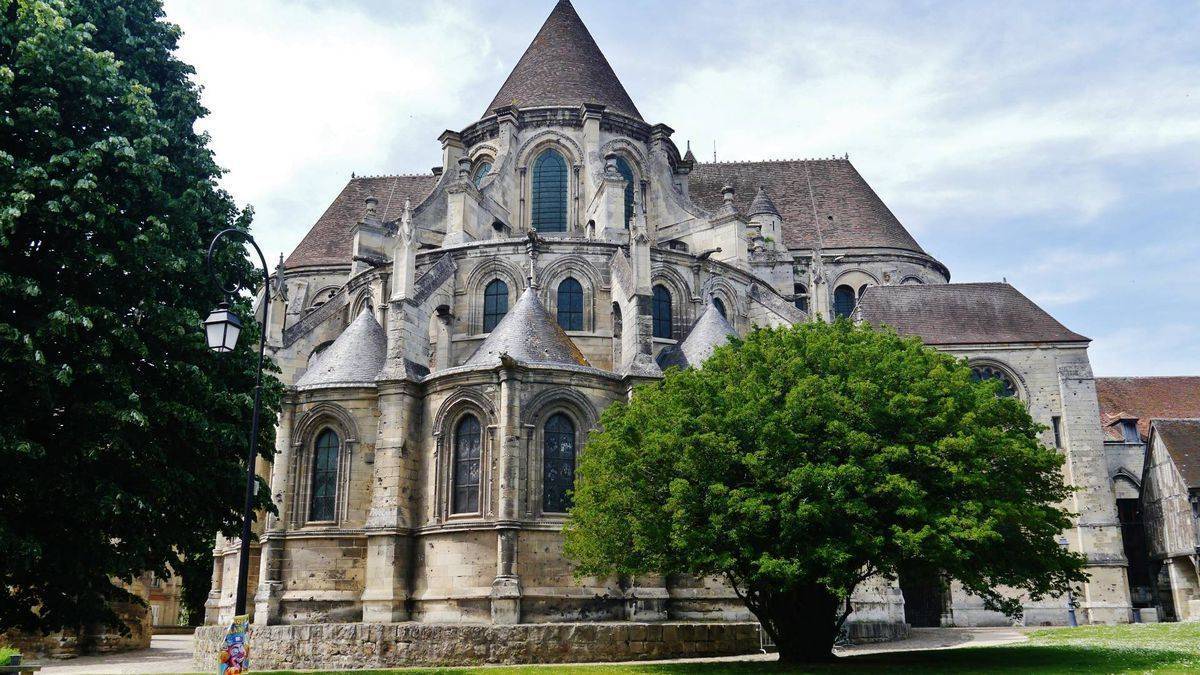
[221,329]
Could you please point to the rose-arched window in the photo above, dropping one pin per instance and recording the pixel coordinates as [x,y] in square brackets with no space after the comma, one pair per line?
[982,373]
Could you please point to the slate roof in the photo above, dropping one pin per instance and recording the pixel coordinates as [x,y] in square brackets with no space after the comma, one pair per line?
[1181,438]
[762,204]
[860,219]
[710,331]
[1145,398]
[528,334]
[328,242]
[563,66]
[961,314]
[354,358]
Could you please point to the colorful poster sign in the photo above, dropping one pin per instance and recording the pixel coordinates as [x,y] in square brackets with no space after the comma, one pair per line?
[235,653]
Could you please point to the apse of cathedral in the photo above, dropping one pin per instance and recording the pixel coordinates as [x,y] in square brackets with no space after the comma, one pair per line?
[449,339]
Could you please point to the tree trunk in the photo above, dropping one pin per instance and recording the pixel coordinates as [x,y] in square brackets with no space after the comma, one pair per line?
[801,620]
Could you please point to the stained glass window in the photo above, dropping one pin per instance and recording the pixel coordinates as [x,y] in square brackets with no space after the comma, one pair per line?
[495,304]
[570,304]
[626,172]
[720,307]
[843,301]
[467,444]
[324,476]
[558,464]
[660,309]
[481,171]
[981,373]
[549,191]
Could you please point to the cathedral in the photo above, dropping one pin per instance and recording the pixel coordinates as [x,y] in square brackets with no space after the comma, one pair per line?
[449,339]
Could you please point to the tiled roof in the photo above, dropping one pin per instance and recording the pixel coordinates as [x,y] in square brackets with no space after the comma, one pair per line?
[528,334]
[563,66]
[711,331]
[1145,398]
[957,314]
[328,241]
[1181,438]
[354,358]
[850,214]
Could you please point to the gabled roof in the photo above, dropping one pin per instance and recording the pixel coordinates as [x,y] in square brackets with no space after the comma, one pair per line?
[354,358]
[528,334]
[563,66]
[962,314]
[806,191]
[1181,438]
[1144,398]
[328,242]
[710,331]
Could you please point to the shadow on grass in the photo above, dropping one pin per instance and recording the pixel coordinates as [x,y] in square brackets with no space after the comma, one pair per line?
[1017,659]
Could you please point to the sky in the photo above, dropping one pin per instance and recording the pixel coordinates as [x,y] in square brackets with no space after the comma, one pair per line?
[1052,145]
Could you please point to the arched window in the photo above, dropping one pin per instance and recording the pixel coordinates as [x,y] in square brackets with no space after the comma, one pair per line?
[549,192]
[862,289]
[843,301]
[495,304]
[324,476]
[617,320]
[558,463]
[720,307]
[660,309]
[626,172]
[800,297]
[467,444]
[982,373]
[482,169]
[570,304]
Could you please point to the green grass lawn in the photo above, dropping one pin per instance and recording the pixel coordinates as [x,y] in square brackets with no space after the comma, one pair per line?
[1144,648]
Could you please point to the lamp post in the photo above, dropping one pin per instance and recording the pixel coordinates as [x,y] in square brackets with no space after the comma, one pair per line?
[1071,620]
[221,329]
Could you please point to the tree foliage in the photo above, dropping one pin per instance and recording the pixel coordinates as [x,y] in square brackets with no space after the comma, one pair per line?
[122,438]
[804,460]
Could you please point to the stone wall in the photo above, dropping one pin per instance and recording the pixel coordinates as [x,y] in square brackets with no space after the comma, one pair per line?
[374,645]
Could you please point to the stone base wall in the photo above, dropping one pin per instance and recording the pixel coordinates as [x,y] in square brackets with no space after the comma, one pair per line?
[391,645]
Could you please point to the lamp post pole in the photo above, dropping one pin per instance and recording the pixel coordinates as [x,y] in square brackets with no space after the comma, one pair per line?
[251,455]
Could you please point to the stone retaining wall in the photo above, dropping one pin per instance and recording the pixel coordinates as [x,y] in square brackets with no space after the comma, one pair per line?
[376,645]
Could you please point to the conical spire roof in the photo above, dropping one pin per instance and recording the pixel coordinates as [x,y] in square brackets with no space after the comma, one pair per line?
[762,204]
[710,331]
[563,66]
[528,334]
[354,358]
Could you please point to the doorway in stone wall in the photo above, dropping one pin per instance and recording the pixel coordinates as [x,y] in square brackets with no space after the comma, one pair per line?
[924,598]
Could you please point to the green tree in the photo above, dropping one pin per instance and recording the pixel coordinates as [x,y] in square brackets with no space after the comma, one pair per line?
[122,438]
[804,460]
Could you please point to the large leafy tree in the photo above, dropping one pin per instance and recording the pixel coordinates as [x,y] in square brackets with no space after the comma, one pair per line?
[805,460]
[122,438]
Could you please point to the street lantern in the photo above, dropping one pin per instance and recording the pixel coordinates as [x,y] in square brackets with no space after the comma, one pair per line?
[222,328]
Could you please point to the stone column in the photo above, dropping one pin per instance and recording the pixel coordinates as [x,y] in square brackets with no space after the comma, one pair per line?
[212,605]
[270,571]
[442,355]
[1097,532]
[393,488]
[506,588]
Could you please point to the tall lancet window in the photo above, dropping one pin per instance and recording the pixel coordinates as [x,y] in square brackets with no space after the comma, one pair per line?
[549,192]
[626,172]
[558,464]
[324,476]
[495,304]
[660,310]
[468,441]
[570,304]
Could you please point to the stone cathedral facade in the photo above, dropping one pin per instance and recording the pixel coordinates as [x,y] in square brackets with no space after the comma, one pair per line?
[449,339]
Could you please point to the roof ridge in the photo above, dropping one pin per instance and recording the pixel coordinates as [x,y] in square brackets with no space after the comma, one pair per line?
[778,160]
[393,175]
